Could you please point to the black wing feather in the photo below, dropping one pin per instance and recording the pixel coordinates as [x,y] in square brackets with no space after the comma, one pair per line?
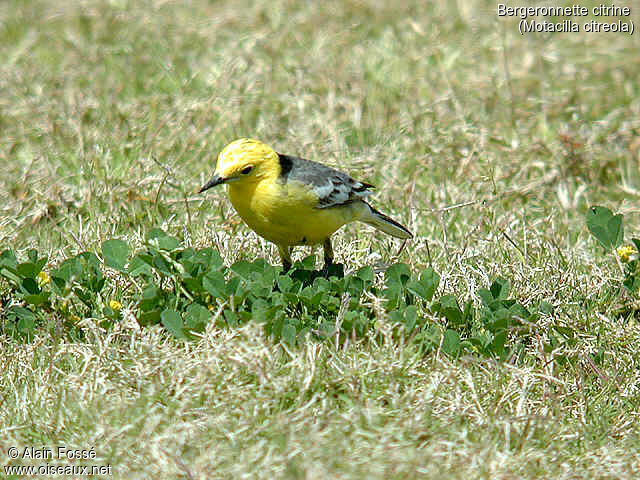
[333,187]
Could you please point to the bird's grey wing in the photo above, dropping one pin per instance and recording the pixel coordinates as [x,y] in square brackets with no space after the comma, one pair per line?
[333,187]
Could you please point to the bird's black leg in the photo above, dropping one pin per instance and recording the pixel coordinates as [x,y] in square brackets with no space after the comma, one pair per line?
[285,256]
[328,257]
[286,266]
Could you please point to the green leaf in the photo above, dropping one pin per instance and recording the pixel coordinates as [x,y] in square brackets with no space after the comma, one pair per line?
[285,283]
[91,277]
[366,275]
[151,297]
[151,317]
[172,321]
[289,333]
[431,335]
[311,298]
[233,287]
[354,285]
[338,285]
[30,286]
[396,277]
[161,240]
[605,226]
[450,309]
[116,254]
[10,275]
[500,288]
[451,342]
[467,313]
[307,263]
[324,330]
[497,345]
[196,317]
[29,270]
[208,257]
[264,311]
[636,243]
[90,259]
[397,274]
[37,299]
[8,259]
[185,258]
[32,255]
[321,284]
[566,332]
[231,318]
[214,283]
[193,285]
[26,325]
[25,319]
[410,317]
[486,296]
[545,307]
[22,313]
[396,316]
[427,285]
[496,320]
[139,266]
[519,310]
[291,298]
[245,269]
[631,283]
[62,276]
[161,264]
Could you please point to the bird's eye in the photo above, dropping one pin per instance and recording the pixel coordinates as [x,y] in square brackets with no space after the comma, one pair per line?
[246,170]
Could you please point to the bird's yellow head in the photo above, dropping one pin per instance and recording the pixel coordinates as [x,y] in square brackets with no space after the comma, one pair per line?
[244,161]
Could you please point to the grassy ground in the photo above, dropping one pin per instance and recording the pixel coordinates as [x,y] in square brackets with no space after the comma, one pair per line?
[112,113]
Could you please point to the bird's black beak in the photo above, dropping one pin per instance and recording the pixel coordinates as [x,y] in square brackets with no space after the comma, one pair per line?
[216,180]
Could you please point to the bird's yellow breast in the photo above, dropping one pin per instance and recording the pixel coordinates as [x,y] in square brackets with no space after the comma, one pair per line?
[287,213]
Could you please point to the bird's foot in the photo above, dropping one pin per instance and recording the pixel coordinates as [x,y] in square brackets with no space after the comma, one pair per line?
[331,269]
[286,266]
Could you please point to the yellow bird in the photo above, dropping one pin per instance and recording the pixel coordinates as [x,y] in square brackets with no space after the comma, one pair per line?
[291,201]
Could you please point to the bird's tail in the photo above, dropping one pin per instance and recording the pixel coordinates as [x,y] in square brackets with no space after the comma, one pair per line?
[382,222]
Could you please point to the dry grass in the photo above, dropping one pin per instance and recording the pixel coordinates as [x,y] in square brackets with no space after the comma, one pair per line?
[439,104]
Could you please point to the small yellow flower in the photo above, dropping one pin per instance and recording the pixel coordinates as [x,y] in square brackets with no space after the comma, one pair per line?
[43,278]
[75,318]
[625,252]
[115,305]
[211,308]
